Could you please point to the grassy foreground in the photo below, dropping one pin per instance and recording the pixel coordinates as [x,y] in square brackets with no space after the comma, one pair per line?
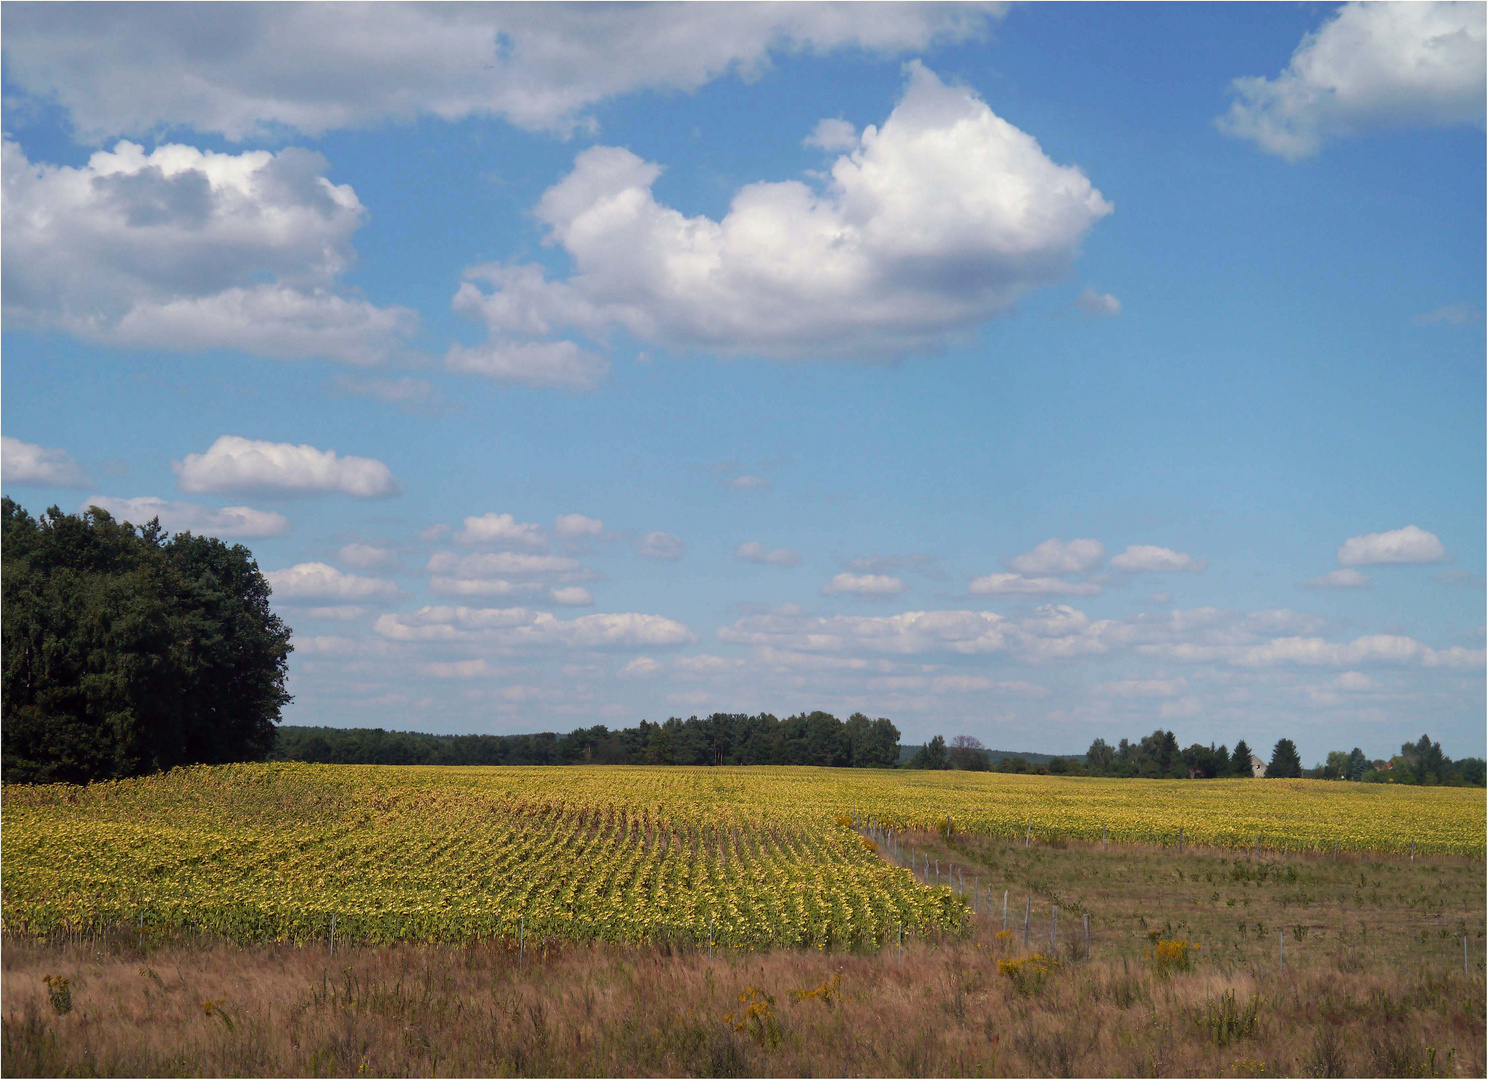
[1372,983]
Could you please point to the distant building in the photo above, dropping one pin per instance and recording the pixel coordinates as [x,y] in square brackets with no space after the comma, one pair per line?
[1257,767]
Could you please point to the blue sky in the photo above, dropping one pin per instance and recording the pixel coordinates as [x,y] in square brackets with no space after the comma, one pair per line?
[1039,374]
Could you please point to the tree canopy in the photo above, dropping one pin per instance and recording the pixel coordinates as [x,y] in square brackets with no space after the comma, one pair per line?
[816,738]
[127,650]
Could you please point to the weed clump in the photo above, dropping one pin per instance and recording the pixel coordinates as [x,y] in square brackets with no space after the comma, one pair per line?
[1227,1021]
[1027,973]
[756,1017]
[59,991]
[1170,956]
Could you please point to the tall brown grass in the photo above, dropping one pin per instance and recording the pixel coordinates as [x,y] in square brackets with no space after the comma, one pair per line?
[215,1009]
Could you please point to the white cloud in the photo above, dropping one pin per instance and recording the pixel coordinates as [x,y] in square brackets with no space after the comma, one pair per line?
[1150,558]
[755,552]
[500,564]
[1407,545]
[1057,557]
[519,628]
[1140,688]
[640,667]
[320,581]
[233,463]
[1356,682]
[747,482]
[234,522]
[576,525]
[446,586]
[572,596]
[25,463]
[660,545]
[247,71]
[962,632]
[1373,66]
[500,529]
[340,612]
[543,365]
[190,249]
[1182,709]
[366,556]
[937,221]
[1452,315]
[832,135]
[1018,585]
[456,669]
[1098,305]
[1339,579]
[864,585]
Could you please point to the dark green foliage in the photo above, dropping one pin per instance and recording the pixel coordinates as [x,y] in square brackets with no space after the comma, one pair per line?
[127,651]
[1240,759]
[816,738]
[931,756]
[1206,762]
[1285,762]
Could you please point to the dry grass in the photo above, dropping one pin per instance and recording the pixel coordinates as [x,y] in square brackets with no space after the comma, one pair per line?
[1364,992]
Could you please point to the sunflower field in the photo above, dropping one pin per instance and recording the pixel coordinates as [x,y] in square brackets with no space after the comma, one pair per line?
[742,857]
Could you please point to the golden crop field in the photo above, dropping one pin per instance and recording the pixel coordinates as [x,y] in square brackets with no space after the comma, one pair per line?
[755,856]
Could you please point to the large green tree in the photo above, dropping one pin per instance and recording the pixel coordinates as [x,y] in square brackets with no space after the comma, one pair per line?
[1285,761]
[127,650]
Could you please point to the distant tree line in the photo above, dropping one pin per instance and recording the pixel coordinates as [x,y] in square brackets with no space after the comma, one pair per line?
[816,738]
[128,651]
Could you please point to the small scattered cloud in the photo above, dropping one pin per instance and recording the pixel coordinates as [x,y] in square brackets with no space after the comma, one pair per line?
[752,551]
[747,482]
[456,669]
[1407,545]
[1356,682]
[1098,305]
[26,463]
[574,526]
[499,564]
[1347,578]
[231,522]
[233,463]
[366,556]
[639,668]
[1140,688]
[1148,558]
[1451,315]
[500,530]
[320,581]
[541,365]
[660,545]
[863,585]
[434,533]
[832,135]
[1019,585]
[1059,557]
[339,612]
[572,596]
